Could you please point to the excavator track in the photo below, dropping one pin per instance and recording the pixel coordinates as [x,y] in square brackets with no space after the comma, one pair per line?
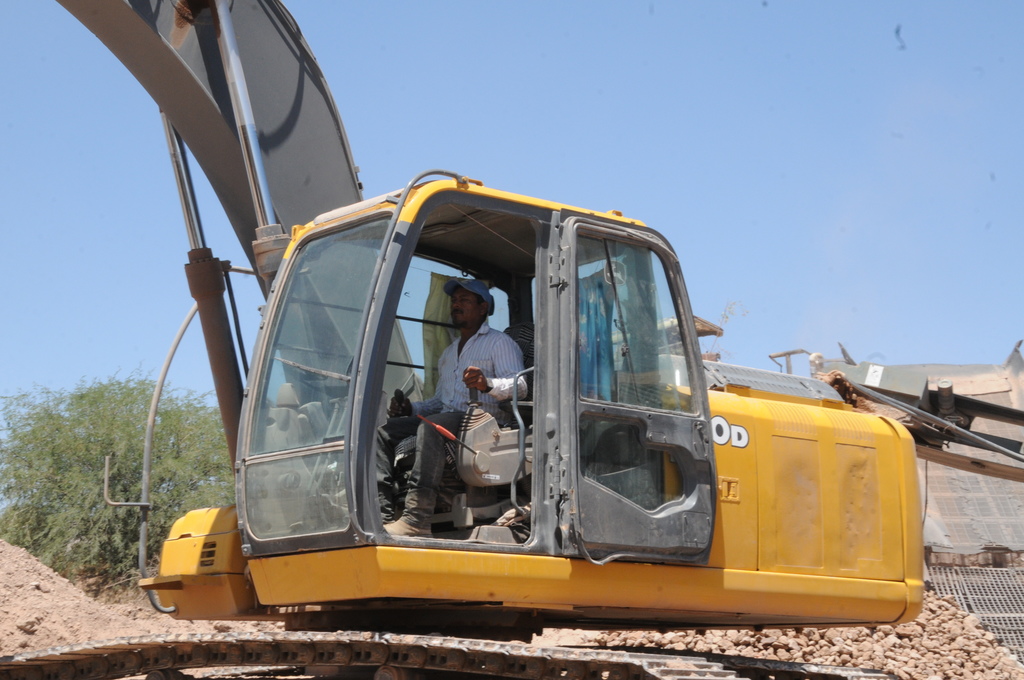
[387,657]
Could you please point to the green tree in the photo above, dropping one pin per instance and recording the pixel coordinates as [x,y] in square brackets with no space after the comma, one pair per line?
[52,447]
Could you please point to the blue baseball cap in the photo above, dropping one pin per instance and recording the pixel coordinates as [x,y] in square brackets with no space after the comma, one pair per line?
[473,286]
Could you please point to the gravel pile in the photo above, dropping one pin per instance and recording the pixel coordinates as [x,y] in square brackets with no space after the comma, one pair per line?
[944,642]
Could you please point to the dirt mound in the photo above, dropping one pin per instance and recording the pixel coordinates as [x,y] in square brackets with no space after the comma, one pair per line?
[39,609]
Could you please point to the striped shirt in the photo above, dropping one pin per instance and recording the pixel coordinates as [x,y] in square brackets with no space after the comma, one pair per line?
[494,353]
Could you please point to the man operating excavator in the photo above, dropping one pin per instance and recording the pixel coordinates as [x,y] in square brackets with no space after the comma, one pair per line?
[481,359]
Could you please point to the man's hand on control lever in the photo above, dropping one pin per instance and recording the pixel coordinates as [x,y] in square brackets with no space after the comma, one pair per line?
[399,406]
[474,377]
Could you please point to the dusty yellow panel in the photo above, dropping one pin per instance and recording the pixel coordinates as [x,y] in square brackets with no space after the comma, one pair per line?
[790,518]
[860,505]
[816,491]
[799,525]
[872,499]
[833,500]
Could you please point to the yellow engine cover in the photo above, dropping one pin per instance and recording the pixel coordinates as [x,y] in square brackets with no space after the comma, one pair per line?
[202,569]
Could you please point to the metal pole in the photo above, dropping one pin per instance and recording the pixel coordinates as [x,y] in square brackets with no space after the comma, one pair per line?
[183,178]
[147,462]
[244,119]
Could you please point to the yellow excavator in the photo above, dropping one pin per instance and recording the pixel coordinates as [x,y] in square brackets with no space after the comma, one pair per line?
[627,495]
[637,487]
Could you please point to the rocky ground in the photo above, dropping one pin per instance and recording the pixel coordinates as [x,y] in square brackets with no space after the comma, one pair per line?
[944,642]
[39,609]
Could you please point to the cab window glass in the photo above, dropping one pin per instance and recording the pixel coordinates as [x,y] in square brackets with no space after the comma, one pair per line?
[630,345]
[302,398]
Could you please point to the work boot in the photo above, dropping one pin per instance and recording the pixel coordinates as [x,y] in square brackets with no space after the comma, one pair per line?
[419,506]
[419,509]
[402,528]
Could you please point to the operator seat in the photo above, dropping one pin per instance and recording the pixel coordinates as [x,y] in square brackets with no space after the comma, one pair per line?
[293,424]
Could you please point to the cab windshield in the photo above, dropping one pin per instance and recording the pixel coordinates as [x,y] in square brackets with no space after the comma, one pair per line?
[303,395]
[295,469]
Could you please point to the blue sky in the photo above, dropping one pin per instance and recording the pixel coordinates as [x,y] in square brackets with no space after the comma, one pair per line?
[829,178]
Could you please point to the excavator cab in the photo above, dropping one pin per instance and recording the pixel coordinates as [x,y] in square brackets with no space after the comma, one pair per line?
[608,457]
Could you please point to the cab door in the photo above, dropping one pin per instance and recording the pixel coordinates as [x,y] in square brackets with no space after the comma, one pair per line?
[643,467]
